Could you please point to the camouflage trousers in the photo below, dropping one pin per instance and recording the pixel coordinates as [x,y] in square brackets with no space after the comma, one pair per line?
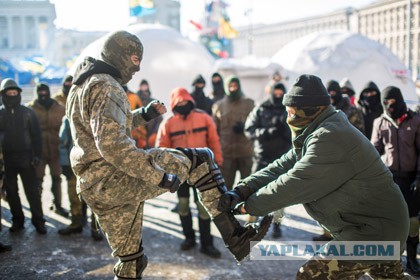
[118,203]
[337,270]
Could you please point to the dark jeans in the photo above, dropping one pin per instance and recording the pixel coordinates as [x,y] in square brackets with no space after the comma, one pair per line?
[31,188]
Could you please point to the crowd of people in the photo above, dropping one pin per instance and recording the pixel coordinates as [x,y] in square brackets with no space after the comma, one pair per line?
[316,144]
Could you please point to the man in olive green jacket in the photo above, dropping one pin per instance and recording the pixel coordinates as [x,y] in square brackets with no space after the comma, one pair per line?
[335,172]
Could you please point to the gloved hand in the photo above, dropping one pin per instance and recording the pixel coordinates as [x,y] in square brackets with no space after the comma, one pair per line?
[229,200]
[153,110]
[170,182]
[238,127]
[35,161]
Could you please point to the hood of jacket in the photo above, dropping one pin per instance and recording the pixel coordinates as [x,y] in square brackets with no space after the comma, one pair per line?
[178,95]
[91,66]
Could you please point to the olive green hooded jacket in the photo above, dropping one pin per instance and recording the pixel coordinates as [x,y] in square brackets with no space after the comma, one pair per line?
[339,177]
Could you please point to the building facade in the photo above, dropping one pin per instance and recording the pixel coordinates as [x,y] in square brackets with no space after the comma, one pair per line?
[167,13]
[394,23]
[26,28]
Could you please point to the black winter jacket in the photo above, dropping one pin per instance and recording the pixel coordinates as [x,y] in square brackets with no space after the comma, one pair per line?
[21,135]
[266,126]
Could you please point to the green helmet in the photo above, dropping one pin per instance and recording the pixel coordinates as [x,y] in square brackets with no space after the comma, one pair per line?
[117,51]
[7,84]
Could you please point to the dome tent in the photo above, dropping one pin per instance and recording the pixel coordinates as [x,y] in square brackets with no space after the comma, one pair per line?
[335,55]
[169,59]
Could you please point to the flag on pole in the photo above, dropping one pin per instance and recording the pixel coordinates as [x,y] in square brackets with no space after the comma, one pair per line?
[139,8]
[225,30]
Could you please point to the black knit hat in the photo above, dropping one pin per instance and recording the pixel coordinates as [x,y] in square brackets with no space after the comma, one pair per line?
[199,79]
[67,78]
[144,82]
[42,86]
[307,91]
[279,86]
[333,85]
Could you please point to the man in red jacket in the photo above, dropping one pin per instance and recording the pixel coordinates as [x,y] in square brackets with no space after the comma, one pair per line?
[193,128]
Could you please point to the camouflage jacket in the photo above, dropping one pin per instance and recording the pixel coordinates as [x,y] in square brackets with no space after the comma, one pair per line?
[100,124]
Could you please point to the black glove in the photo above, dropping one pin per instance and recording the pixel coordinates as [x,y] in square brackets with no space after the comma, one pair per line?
[229,201]
[35,161]
[238,127]
[149,112]
[170,182]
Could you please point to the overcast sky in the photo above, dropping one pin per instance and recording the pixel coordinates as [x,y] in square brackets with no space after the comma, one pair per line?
[91,15]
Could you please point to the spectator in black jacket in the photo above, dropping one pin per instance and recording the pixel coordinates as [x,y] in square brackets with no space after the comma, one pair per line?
[370,101]
[201,100]
[266,126]
[22,147]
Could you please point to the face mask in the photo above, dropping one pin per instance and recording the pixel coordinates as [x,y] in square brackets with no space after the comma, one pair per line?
[184,110]
[11,101]
[278,101]
[66,90]
[398,110]
[336,98]
[302,118]
[372,102]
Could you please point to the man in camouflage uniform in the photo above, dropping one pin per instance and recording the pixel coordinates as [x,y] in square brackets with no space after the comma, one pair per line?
[115,178]
[338,176]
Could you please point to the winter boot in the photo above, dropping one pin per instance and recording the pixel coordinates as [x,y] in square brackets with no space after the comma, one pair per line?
[206,240]
[56,190]
[5,248]
[187,229]
[211,186]
[412,263]
[74,228]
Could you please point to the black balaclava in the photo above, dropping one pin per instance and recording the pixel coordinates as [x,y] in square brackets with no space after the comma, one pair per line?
[334,86]
[11,101]
[399,107]
[277,101]
[372,103]
[44,100]
[218,88]
[66,88]
[198,90]
[117,51]
[184,110]
[233,95]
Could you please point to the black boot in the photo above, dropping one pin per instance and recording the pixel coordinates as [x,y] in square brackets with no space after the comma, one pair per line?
[276,230]
[235,236]
[187,229]
[206,239]
[412,263]
[5,248]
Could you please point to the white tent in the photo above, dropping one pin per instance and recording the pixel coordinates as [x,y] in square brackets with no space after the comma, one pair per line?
[254,74]
[170,60]
[335,55]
